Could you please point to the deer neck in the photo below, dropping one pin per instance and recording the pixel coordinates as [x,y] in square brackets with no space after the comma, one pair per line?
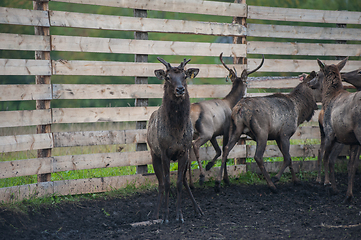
[177,110]
[330,90]
[304,100]
[237,93]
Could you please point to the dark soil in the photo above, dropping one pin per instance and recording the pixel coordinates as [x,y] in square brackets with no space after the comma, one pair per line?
[305,211]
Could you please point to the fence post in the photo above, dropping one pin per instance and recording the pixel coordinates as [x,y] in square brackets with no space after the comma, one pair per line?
[240,60]
[42,104]
[141,102]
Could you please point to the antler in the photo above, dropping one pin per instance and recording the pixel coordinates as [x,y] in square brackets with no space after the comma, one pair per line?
[231,72]
[257,67]
[182,65]
[166,64]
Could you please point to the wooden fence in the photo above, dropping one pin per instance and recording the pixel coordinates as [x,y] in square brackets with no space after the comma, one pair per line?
[289,50]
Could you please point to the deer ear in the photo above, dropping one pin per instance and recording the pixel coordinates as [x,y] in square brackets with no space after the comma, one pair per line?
[160,74]
[341,64]
[321,64]
[192,72]
[312,75]
[244,75]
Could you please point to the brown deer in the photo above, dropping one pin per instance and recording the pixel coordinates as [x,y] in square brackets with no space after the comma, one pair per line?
[341,121]
[273,117]
[169,135]
[354,78]
[211,118]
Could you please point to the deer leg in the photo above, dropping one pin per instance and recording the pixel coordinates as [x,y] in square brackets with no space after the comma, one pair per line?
[166,177]
[234,133]
[336,150]
[258,157]
[218,153]
[329,143]
[225,142]
[196,207]
[284,146]
[190,175]
[320,157]
[351,169]
[158,169]
[196,145]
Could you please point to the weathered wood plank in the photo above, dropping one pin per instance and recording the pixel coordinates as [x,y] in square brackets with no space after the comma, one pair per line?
[107,22]
[94,185]
[25,67]
[24,17]
[112,137]
[302,32]
[90,138]
[25,142]
[107,68]
[25,92]
[116,114]
[307,132]
[24,42]
[293,65]
[295,151]
[309,49]
[27,167]
[25,118]
[284,83]
[198,6]
[303,15]
[131,46]
[129,91]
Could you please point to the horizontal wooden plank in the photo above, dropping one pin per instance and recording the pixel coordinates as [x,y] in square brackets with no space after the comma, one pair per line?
[307,132]
[108,68]
[94,185]
[299,66]
[90,138]
[114,114]
[131,46]
[25,118]
[121,159]
[129,91]
[308,49]
[198,6]
[24,42]
[25,92]
[295,151]
[108,22]
[19,16]
[26,142]
[302,32]
[303,15]
[25,67]
[26,167]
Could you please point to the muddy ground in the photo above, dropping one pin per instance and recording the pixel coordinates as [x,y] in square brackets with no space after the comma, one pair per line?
[239,211]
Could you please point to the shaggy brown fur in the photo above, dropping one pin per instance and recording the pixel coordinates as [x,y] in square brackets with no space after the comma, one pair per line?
[170,135]
[274,117]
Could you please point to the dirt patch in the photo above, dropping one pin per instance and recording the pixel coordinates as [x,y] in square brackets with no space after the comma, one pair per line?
[305,211]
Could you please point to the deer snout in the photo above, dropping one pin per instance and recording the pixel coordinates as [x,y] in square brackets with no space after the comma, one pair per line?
[180,91]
